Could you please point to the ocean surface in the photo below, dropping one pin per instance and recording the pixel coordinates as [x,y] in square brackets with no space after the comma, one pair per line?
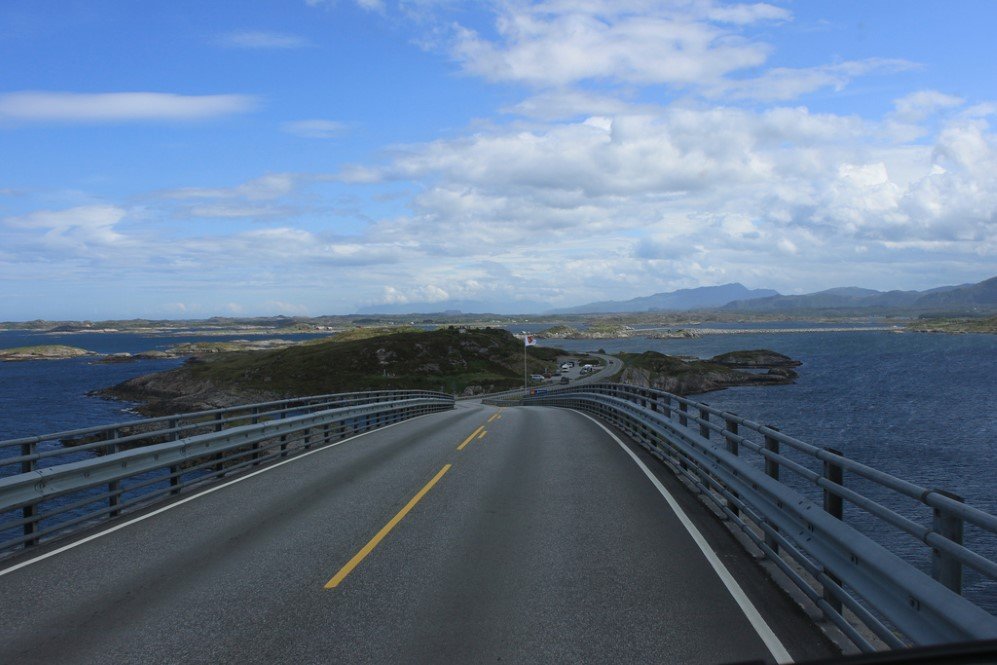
[42,396]
[922,407]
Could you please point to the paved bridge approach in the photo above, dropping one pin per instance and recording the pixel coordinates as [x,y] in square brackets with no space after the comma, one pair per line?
[394,528]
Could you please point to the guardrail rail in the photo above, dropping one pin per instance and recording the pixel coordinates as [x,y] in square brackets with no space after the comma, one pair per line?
[789,497]
[53,483]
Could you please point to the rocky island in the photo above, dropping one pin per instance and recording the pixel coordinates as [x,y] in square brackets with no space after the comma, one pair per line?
[43,352]
[684,376]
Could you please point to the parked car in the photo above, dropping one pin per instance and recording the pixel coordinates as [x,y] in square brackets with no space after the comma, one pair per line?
[564,380]
[536,377]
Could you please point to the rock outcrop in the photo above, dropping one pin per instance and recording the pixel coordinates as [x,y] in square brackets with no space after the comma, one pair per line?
[684,376]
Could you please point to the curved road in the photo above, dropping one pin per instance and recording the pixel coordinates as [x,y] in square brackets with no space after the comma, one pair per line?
[537,539]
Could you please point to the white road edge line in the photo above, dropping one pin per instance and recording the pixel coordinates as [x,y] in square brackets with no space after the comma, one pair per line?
[772,643]
[205,492]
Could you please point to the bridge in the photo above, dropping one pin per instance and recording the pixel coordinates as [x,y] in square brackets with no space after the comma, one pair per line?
[591,523]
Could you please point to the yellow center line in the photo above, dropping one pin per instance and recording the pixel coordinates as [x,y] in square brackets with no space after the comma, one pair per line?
[385,530]
[495,416]
[482,435]
[468,439]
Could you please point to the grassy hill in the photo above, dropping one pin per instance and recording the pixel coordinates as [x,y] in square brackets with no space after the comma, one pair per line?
[451,360]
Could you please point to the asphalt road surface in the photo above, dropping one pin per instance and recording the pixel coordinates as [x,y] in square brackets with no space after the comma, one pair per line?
[478,535]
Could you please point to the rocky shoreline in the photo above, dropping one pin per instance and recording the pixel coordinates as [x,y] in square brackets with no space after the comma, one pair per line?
[628,332]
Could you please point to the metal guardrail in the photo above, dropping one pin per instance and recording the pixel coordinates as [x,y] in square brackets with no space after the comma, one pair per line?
[55,482]
[741,467]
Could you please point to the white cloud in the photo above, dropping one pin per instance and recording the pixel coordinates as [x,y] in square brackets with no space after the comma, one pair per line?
[81,228]
[743,14]
[118,106]
[92,217]
[693,46]
[223,211]
[265,188]
[315,129]
[369,5]
[552,43]
[567,104]
[919,105]
[258,39]
[783,83]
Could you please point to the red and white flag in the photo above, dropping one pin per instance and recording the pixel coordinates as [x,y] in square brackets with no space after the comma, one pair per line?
[529,340]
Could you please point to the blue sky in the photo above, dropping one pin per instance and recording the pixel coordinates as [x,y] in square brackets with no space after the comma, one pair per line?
[190,159]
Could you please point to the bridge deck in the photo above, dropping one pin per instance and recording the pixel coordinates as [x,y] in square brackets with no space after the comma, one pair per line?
[543,541]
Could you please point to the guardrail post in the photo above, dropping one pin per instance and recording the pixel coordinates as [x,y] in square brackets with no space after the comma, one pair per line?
[833,503]
[218,456]
[704,428]
[174,435]
[683,410]
[666,406]
[835,506]
[113,487]
[730,427]
[255,413]
[28,512]
[944,567]
[283,437]
[772,471]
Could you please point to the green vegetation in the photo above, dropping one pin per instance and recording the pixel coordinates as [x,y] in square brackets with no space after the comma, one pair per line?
[448,360]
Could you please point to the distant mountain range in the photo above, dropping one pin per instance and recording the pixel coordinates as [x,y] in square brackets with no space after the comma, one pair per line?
[704,297]
[457,307]
[735,297]
[946,298]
